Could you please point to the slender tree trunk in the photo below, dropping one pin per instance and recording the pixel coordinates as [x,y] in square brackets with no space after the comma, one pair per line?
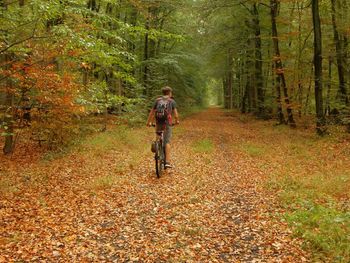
[299,66]
[230,79]
[159,42]
[92,5]
[329,87]
[250,87]
[120,94]
[145,57]
[280,114]
[258,63]
[224,87]
[242,84]
[300,97]
[245,98]
[308,93]
[281,81]
[339,54]
[320,122]
[239,86]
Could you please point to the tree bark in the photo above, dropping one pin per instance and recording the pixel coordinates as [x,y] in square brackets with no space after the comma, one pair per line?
[308,93]
[329,87]
[250,88]
[339,54]
[320,122]
[280,81]
[145,57]
[229,80]
[224,87]
[258,63]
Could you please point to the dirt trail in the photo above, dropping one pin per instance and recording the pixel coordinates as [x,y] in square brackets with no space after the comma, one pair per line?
[209,208]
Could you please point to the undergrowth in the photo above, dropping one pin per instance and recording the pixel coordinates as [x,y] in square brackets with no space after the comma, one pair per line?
[312,179]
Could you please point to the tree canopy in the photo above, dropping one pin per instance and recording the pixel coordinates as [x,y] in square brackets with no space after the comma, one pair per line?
[62,61]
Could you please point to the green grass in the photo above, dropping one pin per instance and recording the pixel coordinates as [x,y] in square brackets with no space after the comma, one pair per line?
[252,149]
[325,229]
[102,183]
[121,136]
[311,178]
[203,146]
[118,138]
[187,112]
[315,211]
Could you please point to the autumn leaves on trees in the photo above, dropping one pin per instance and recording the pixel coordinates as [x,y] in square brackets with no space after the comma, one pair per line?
[64,62]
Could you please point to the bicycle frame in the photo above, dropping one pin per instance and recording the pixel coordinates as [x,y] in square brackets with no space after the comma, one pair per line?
[160,153]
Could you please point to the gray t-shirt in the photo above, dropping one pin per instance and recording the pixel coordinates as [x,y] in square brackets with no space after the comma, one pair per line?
[172,105]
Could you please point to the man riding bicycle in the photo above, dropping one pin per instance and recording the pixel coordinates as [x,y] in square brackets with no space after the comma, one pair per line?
[163,110]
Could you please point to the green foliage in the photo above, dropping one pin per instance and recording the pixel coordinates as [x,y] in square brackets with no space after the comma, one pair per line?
[326,230]
[203,146]
[101,49]
[98,98]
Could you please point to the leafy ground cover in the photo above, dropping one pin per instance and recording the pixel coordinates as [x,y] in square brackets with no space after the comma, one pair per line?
[312,180]
[102,202]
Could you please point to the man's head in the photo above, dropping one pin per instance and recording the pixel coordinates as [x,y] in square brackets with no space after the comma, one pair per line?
[167,91]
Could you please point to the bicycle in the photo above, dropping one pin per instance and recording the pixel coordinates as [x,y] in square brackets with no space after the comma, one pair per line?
[158,148]
[159,155]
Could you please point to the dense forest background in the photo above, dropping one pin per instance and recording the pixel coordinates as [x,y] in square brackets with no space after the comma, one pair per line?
[65,63]
[77,179]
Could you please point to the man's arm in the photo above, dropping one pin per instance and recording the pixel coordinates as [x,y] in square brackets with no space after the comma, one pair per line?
[150,117]
[176,116]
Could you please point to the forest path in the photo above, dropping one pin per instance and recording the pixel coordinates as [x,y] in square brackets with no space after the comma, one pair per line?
[210,208]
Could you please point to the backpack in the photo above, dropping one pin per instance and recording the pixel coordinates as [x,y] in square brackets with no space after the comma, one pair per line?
[163,111]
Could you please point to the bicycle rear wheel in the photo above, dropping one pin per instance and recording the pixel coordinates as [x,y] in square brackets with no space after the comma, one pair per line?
[159,160]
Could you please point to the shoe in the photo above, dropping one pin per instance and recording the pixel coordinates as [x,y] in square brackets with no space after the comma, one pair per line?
[168,166]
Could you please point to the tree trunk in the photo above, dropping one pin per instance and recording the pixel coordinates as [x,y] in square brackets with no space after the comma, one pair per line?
[244,99]
[280,115]
[339,54]
[145,57]
[299,66]
[238,76]
[250,88]
[229,80]
[120,94]
[281,81]
[320,122]
[92,5]
[329,87]
[308,93]
[258,63]
[224,87]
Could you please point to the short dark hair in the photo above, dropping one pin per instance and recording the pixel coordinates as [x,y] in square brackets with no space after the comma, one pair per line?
[167,90]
